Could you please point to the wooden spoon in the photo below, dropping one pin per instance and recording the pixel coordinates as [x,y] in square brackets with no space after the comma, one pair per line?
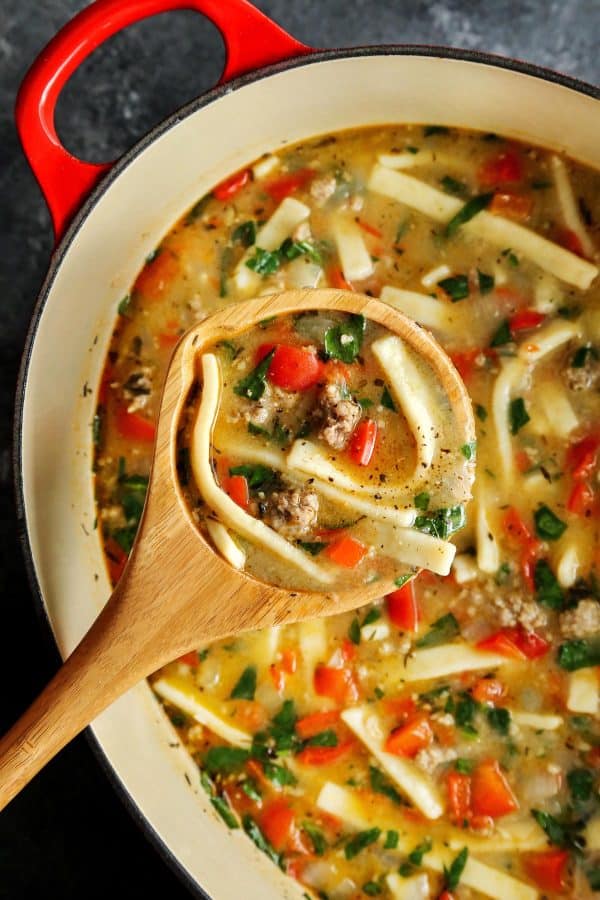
[176,593]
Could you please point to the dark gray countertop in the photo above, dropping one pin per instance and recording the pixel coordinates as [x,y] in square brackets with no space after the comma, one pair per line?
[68,834]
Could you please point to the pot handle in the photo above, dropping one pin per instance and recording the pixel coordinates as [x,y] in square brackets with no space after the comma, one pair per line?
[251,40]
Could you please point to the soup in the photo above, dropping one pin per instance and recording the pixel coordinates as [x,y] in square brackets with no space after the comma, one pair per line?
[444,741]
[308,439]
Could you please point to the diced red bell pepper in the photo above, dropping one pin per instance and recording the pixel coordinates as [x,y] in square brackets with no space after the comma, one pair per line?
[446,895]
[525,320]
[324,756]
[458,787]
[337,683]
[403,607]
[548,869]
[581,500]
[308,726]
[503,168]
[516,528]
[294,368]
[569,240]
[402,708]
[133,426]
[190,659]
[277,823]
[288,184]
[408,739]
[336,279]
[464,361]
[516,643]
[513,206]
[289,661]
[491,794]
[582,457]
[277,677]
[232,186]
[362,442]
[237,489]
[155,277]
[349,650]
[488,690]
[346,551]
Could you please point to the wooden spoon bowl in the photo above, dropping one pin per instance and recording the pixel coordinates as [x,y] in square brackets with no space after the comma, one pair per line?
[176,592]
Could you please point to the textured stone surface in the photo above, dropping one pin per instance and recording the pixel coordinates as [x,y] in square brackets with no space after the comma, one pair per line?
[68,835]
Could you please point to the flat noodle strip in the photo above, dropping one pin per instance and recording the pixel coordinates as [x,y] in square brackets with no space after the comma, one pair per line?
[439,662]
[225,544]
[426,310]
[411,391]
[408,546]
[512,374]
[352,250]
[422,158]
[225,508]
[411,780]
[495,229]
[548,339]
[288,215]
[255,452]
[180,693]
[570,210]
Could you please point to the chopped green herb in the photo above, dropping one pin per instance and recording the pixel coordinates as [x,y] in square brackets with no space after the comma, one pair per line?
[511,257]
[416,855]
[279,775]
[177,718]
[256,835]
[422,501]
[371,888]
[197,209]
[481,412]
[547,523]
[225,760]
[581,785]
[464,766]
[486,282]
[401,580]
[402,229]
[452,186]
[502,335]
[548,591]
[579,654]
[503,573]
[411,149]
[468,450]
[344,341]
[246,685]
[317,838]
[152,256]
[293,249]
[391,840]
[453,874]
[257,476]
[124,304]
[465,712]
[593,877]
[581,356]
[245,234]
[361,841]
[264,262]
[517,415]
[440,632]
[382,785]
[442,522]
[223,808]
[365,403]
[373,615]
[230,347]
[312,547]
[499,719]
[323,739]
[97,423]
[226,260]
[471,208]
[253,385]
[387,400]
[429,130]
[457,287]
[250,789]
[561,833]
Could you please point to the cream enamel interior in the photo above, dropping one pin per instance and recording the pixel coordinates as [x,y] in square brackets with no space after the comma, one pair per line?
[73,332]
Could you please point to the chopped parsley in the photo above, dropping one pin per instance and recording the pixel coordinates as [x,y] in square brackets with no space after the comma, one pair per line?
[453,186]
[246,685]
[401,580]
[344,341]
[456,286]
[499,719]
[547,524]
[312,547]
[257,476]
[361,841]
[581,785]
[471,208]
[502,335]
[387,400]
[430,130]
[421,501]
[481,412]
[253,385]
[441,523]
[468,450]
[453,873]
[256,835]
[245,234]
[317,838]
[517,415]
[225,760]
[124,304]
[382,785]
[548,591]
[440,632]
[581,356]
[486,282]
[560,832]
[579,654]
[223,808]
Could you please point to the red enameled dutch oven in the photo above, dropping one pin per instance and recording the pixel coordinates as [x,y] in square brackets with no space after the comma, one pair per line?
[108,218]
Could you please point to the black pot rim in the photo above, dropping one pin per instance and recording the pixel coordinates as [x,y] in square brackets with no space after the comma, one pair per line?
[62,248]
